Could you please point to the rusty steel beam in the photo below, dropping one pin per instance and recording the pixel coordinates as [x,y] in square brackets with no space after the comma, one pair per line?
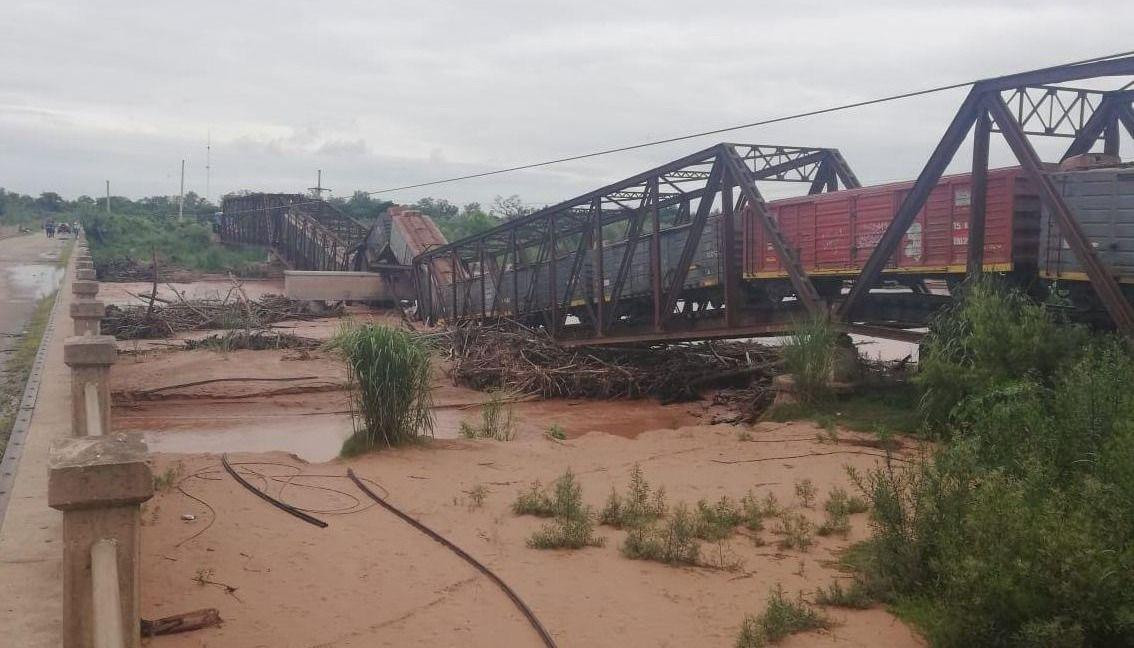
[978,199]
[1104,283]
[804,289]
[693,238]
[913,202]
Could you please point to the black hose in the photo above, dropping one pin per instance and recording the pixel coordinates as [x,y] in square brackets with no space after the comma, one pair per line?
[271,500]
[527,612]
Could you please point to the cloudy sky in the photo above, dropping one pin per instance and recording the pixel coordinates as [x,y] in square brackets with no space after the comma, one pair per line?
[380,94]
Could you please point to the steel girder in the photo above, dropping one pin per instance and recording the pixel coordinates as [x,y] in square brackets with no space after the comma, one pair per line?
[1040,109]
[681,192]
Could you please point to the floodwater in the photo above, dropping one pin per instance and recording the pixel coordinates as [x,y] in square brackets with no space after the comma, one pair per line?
[316,439]
[27,274]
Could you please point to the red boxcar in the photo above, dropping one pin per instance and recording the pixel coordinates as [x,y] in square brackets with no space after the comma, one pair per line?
[834,233]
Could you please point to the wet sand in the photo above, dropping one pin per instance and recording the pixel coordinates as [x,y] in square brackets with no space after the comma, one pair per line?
[371,580]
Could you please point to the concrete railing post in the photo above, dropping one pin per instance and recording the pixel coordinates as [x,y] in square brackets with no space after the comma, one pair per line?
[90,358]
[87,315]
[84,289]
[100,483]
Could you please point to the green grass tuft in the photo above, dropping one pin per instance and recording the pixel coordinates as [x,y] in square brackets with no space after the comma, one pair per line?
[389,383]
[496,420]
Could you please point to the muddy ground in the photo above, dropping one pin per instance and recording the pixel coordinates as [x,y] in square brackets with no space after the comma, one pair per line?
[369,579]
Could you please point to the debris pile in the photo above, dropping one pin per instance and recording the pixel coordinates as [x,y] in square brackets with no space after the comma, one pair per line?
[527,361]
[164,317]
[253,340]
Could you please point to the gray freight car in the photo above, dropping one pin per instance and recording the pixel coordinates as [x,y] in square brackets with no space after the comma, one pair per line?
[1102,201]
[530,283]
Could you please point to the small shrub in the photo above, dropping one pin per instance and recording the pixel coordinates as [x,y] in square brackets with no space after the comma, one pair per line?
[556,432]
[856,596]
[805,490]
[674,542]
[477,496]
[496,421]
[744,435]
[752,512]
[837,523]
[573,524]
[566,533]
[715,522]
[795,531]
[534,501]
[771,506]
[781,617]
[839,502]
[639,507]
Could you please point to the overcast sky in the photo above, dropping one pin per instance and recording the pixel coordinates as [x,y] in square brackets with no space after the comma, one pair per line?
[380,94]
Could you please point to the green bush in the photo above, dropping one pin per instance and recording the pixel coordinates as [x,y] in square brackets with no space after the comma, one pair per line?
[989,336]
[640,506]
[573,523]
[1019,532]
[391,399]
[674,542]
[781,617]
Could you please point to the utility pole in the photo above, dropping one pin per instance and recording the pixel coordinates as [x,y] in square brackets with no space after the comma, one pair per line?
[181,197]
[318,189]
[107,197]
[208,163]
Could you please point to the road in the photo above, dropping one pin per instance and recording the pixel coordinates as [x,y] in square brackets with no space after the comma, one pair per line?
[28,272]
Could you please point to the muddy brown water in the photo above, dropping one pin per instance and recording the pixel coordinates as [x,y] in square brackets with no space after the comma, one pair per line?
[28,273]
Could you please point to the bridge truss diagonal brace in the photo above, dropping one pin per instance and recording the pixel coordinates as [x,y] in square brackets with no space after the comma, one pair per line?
[985,99]
[738,175]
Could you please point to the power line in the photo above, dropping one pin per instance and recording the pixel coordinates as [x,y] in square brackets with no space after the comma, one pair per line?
[679,138]
[726,129]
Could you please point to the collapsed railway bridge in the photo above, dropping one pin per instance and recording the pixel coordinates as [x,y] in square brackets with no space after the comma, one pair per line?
[692,250]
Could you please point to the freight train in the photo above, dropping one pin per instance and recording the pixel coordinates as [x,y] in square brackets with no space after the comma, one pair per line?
[833,234]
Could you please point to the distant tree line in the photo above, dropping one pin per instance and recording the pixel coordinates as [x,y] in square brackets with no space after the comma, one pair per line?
[454,221]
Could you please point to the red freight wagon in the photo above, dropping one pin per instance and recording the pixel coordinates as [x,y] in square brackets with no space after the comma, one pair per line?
[834,233]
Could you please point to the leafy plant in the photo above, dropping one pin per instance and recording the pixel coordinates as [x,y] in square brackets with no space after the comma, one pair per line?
[795,531]
[534,501]
[573,523]
[781,617]
[674,542]
[391,398]
[805,491]
[556,432]
[496,420]
[855,596]
[717,521]
[640,506]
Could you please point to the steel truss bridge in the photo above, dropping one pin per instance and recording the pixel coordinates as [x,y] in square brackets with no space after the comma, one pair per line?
[617,264]
[307,233]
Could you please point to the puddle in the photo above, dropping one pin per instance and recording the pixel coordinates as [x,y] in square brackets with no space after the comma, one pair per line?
[314,443]
[33,280]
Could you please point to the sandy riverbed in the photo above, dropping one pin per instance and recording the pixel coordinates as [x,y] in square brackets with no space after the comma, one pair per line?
[369,579]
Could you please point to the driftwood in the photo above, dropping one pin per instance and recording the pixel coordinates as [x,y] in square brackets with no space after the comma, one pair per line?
[515,358]
[184,622]
[152,321]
